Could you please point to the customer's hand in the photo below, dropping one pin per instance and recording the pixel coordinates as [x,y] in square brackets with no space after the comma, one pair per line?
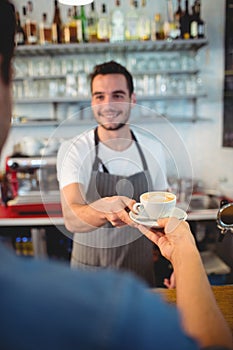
[172,234]
[116,210]
[170,283]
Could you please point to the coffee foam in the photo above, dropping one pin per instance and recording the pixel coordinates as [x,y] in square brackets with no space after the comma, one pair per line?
[158,197]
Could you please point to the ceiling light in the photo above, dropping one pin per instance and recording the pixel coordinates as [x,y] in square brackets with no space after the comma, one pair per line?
[75,2]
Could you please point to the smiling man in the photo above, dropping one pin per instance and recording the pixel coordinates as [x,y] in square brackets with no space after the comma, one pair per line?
[101,174]
[112,99]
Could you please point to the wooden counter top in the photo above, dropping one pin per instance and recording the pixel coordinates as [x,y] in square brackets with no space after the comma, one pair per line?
[223,296]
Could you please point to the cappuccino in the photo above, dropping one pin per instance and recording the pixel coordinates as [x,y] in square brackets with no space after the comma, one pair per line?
[155,205]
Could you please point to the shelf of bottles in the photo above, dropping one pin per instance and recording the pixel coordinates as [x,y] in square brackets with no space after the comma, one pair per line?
[161,55]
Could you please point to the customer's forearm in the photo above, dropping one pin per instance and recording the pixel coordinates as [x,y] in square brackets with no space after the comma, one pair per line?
[201,316]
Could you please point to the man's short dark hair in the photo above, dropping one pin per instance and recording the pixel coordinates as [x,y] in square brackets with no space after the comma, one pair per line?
[113,67]
[7,35]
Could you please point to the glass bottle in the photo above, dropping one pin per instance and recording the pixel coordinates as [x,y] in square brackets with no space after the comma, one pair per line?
[171,31]
[193,23]
[168,19]
[179,12]
[66,27]
[83,20]
[92,21]
[20,36]
[117,28]
[157,32]
[24,21]
[144,23]
[185,22]
[73,24]
[177,15]
[24,17]
[57,24]
[45,31]
[131,22]
[31,25]
[103,25]
[201,23]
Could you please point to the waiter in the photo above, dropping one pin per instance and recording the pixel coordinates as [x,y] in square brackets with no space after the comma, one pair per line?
[102,172]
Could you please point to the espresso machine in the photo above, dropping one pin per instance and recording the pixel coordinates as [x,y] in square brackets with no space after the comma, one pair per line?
[30,181]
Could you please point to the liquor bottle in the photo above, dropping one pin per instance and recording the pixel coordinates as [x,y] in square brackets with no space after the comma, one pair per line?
[45,31]
[131,22]
[117,27]
[185,22]
[24,13]
[169,20]
[57,24]
[80,25]
[92,21]
[31,25]
[83,20]
[103,25]
[197,26]
[20,36]
[177,15]
[144,25]
[66,28]
[179,11]
[73,23]
[157,32]
[24,21]
[193,22]
[201,23]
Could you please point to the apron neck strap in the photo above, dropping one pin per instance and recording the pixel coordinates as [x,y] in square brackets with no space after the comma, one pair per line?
[97,140]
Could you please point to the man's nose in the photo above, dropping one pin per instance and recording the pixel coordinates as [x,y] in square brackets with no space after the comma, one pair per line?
[108,99]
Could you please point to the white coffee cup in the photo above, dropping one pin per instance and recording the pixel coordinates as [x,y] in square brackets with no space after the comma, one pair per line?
[155,204]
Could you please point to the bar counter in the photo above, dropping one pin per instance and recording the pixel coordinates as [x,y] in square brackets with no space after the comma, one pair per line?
[223,296]
[33,215]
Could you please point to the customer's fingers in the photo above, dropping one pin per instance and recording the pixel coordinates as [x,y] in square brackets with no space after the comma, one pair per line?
[153,235]
[169,224]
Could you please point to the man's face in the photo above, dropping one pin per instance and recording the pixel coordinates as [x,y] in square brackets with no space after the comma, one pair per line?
[111,102]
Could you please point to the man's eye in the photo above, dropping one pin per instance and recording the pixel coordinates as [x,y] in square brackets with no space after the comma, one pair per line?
[118,96]
[99,97]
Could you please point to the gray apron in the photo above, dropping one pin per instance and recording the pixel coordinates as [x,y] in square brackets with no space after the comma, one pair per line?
[110,247]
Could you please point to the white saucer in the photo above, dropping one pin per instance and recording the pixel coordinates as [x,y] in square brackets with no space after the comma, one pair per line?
[144,220]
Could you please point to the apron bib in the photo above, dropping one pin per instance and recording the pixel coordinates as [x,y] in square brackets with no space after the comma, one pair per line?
[108,246]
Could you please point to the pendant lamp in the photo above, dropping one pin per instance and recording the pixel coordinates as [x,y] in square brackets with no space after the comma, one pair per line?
[75,2]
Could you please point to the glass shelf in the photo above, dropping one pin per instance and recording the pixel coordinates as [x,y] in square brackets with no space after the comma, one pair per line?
[126,46]
[91,122]
[137,73]
[81,99]
[186,48]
